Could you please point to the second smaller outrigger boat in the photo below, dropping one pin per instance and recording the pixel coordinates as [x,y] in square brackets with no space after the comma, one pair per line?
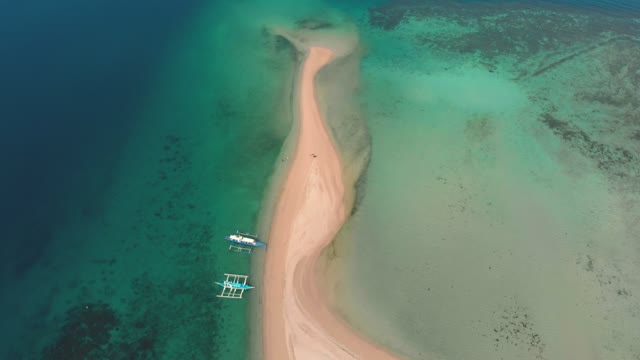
[245,239]
[234,286]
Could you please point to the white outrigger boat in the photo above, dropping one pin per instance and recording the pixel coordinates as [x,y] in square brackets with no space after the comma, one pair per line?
[234,286]
[245,241]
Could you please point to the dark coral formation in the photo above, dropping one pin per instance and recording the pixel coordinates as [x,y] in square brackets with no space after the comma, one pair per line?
[500,28]
[87,330]
[313,24]
[175,162]
[389,15]
[155,314]
[609,276]
[185,307]
[620,63]
[612,159]
[516,327]
[181,309]
[613,41]
[95,331]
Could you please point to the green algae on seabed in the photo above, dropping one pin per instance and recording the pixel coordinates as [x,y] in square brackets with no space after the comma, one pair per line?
[502,197]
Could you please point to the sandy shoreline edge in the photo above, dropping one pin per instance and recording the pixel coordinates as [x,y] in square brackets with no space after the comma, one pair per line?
[308,207]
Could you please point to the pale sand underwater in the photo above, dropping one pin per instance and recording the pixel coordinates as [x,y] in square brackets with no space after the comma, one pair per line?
[500,209]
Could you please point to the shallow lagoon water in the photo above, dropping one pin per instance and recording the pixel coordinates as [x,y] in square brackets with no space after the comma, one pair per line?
[500,211]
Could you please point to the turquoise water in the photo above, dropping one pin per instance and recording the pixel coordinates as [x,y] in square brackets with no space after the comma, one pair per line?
[499,215]
[120,238]
[496,217]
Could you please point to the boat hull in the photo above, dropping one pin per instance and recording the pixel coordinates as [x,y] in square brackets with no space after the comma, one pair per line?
[242,240]
[235,285]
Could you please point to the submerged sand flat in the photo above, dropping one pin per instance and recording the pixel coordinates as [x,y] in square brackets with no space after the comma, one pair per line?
[500,209]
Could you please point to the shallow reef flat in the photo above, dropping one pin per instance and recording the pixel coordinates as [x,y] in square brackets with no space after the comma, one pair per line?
[500,205]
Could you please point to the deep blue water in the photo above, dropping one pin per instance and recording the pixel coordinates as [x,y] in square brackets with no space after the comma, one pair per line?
[71,73]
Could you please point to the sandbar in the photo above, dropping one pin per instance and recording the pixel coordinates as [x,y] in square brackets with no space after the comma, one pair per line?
[297,323]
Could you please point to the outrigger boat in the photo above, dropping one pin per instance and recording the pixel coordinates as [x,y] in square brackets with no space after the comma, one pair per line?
[234,286]
[244,240]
